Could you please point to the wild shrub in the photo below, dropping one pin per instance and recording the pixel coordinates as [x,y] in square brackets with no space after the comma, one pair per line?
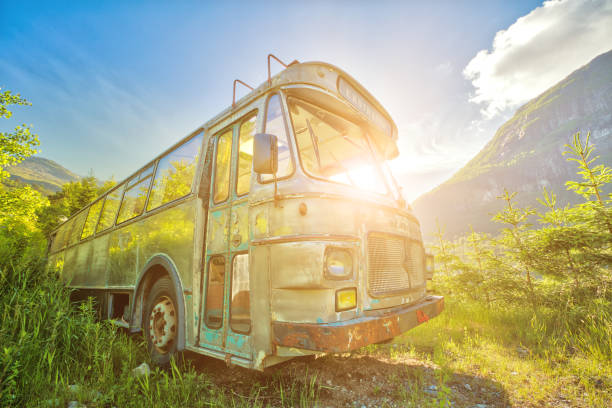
[559,268]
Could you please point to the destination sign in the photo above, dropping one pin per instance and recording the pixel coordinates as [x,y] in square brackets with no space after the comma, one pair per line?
[363,106]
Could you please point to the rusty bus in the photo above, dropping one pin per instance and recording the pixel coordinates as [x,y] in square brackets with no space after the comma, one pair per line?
[272,231]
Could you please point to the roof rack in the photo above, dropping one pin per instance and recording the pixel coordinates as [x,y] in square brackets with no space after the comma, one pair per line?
[234,95]
[237,81]
[280,62]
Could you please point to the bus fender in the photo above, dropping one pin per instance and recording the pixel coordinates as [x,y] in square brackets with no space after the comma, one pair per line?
[149,272]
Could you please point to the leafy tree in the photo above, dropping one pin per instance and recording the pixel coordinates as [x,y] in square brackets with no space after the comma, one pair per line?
[20,204]
[561,268]
[519,256]
[575,242]
[17,145]
[593,178]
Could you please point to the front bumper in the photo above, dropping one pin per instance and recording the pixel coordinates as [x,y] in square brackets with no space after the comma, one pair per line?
[352,334]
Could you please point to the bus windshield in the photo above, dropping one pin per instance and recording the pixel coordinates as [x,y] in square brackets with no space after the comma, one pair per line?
[333,148]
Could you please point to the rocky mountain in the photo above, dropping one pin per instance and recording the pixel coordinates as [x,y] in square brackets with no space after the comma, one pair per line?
[525,154]
[42,174]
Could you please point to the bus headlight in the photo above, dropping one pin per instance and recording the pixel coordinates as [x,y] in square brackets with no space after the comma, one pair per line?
[338,263]
[346,299]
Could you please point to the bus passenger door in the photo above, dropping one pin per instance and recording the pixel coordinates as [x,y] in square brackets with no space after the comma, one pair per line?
[226,304]
[213,313]
[238,339]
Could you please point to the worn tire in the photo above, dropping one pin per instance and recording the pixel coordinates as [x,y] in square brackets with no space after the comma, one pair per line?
[161,322]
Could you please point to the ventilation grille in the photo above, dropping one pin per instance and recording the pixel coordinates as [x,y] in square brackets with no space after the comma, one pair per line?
[394,264]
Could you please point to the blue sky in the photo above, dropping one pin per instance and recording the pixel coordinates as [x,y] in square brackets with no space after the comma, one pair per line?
[114,83]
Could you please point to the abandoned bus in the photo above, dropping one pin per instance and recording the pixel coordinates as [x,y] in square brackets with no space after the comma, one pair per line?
[272,231]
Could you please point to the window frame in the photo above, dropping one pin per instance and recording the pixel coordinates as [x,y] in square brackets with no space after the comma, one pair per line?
[217,137]
[205,317]
[251,114]
[69,224]
[365,136]
[120,186]
[194,181]
[93,232]
[129,187]
[75,217]
[234,255]
[287,133]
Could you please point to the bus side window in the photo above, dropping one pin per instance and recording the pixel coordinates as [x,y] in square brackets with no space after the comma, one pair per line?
[245,156]
[134,200]
[175,173]
[275,125]
[204,192]
[222,167]
[67,230]
[240,311]
[213,314]
[77,228]
[92,218]
[109,209]
[58,239]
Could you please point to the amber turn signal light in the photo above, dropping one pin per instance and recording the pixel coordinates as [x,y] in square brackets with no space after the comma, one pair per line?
[346,299]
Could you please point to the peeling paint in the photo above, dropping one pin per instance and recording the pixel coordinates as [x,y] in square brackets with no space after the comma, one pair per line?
[261,223]
[349,335]
[211,336]
[260,358]
[237,341]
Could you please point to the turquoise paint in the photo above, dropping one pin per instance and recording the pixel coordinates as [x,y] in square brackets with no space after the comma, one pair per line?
[238,341]
[374,301]
[210,336]
[319,320]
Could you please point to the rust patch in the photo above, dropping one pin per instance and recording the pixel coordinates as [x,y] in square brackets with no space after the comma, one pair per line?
[421,316]
[352,334]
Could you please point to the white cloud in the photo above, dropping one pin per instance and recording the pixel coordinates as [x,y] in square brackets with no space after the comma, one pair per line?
[539,50]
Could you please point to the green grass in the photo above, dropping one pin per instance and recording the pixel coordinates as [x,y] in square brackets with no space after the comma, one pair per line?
[533,365]
[48,345]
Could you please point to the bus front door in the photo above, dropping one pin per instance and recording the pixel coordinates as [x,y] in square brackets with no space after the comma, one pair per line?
[226,304]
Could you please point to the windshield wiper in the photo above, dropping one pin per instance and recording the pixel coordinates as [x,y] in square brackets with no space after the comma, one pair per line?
[315,143]
[345,137]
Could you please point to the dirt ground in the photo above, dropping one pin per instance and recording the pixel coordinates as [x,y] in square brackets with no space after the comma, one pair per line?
[354,380]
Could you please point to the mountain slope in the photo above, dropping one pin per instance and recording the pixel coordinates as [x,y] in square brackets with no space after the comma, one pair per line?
[525,154]
[42,174]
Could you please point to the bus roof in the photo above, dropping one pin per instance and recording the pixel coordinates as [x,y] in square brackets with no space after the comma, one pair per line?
[319,74]
[323,75]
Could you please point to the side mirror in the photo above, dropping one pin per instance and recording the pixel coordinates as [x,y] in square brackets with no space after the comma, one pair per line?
[265,153]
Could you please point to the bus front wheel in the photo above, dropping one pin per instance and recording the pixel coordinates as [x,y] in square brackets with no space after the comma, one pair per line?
[161,321]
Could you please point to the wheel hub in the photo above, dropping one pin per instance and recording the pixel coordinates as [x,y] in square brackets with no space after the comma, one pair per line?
[162,324]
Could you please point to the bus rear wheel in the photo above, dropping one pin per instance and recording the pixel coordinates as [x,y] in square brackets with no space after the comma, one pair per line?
[161,321]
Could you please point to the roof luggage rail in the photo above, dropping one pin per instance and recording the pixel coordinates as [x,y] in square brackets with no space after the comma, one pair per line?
[280,62]
[236,81]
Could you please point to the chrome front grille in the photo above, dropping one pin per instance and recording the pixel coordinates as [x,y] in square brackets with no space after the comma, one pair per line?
[394,264]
